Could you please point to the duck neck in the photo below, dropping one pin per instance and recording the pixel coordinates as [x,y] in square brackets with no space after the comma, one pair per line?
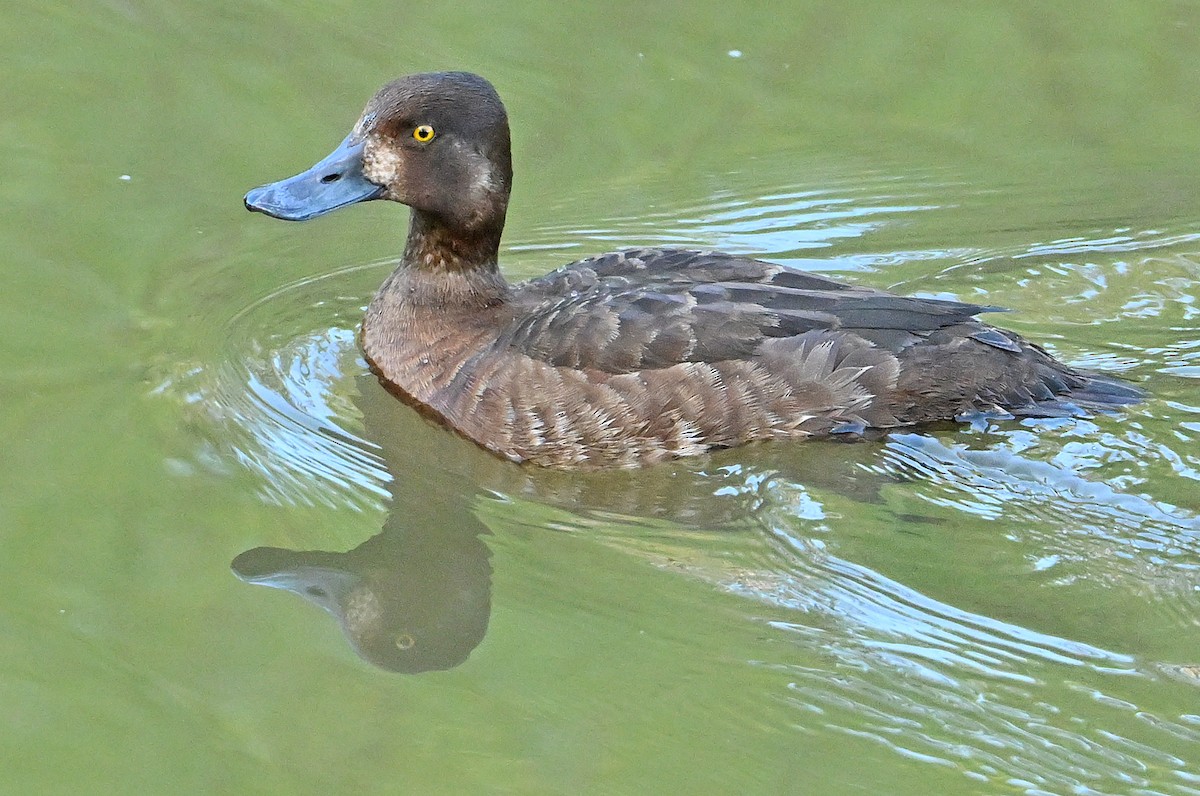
[441,303]
[444,268]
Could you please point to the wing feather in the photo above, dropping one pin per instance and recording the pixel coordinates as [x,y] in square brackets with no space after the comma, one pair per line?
[649,308]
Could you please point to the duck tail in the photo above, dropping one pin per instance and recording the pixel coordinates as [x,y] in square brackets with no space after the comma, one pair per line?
[1089,392]
[1105,392]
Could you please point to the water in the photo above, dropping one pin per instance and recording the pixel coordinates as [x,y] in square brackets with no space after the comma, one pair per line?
[1006,608]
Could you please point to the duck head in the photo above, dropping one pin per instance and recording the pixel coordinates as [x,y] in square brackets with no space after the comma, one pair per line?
[437,142]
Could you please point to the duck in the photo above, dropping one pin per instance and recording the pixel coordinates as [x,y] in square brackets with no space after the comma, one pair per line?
[634,357]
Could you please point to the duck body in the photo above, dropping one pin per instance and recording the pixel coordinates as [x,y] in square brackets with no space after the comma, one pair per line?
[638,356]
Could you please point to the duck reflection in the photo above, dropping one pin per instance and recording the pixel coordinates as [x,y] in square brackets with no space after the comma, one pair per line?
[417,596]
[414,598]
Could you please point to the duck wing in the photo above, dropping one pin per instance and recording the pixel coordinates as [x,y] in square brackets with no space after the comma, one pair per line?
[653,308]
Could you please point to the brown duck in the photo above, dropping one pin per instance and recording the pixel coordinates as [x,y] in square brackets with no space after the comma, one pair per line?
[637,356]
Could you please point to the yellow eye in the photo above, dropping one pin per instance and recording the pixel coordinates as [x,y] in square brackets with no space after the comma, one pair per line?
[423,133]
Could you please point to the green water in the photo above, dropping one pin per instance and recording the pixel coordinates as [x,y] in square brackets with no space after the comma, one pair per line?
[1001,609]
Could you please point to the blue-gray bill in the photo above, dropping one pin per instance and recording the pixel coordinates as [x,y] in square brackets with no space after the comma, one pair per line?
[335,182]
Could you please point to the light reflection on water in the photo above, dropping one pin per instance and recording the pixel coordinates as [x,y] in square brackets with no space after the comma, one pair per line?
[932,681]
[988,482]
[785,225]
[284,403]
[299,429]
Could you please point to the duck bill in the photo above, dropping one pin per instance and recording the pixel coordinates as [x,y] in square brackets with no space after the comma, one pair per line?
[335,182]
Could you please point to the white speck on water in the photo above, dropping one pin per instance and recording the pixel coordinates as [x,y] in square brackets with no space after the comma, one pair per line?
[735,53]
[125,178]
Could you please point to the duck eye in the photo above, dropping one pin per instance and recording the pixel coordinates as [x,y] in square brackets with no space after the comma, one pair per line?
[423,133]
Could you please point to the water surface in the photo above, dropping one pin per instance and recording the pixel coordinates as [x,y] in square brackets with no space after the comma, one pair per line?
[1004,608]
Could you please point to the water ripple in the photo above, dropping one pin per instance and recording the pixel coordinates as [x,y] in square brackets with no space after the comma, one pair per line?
[786,224]
[279,402]
[1116,241]
[950,686]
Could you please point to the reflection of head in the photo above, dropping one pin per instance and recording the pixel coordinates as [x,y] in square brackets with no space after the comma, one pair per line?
[407,602]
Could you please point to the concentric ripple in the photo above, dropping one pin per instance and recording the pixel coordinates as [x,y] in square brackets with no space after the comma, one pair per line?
[279,400]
